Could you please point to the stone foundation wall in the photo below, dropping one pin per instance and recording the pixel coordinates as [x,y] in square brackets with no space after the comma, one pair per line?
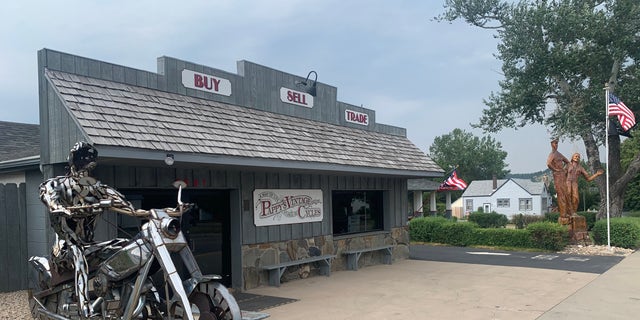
[257,255]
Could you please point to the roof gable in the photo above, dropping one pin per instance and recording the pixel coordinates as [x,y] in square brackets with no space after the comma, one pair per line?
[484,188]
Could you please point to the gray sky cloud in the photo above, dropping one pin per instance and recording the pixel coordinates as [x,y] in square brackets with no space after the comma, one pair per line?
[388,56]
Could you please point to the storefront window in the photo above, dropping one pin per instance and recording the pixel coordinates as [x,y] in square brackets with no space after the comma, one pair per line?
[357,211]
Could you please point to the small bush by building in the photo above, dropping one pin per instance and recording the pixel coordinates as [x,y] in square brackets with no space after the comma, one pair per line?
[551,216]
[544,235]
[521,221]
[539,235]
[548,235]
[625,232]
[488,220]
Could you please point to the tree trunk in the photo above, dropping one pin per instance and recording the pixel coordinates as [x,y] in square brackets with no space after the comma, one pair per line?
[617,181]
[615,206]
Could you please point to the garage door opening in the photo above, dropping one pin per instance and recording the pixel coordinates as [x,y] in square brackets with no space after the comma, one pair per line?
[206,227]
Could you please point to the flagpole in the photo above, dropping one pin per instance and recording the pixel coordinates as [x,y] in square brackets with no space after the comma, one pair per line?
[606,139]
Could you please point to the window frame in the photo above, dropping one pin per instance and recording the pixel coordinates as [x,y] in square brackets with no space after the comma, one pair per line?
[500,203]
[468,206]
[525,204]
[345,217]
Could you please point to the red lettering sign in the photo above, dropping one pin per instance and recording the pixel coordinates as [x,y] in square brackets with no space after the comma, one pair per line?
[296,97]
[204,82]
[356,117]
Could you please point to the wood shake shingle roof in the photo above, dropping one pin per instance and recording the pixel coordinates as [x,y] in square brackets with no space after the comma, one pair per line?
[19,140]
[120,115]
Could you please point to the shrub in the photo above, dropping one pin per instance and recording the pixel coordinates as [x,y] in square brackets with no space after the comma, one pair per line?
[625,232]
[539,235]
[521,221]
[457,234]
[633,214]
[489,220]
[516,238]
[548,235]
[426,229]
[552,216]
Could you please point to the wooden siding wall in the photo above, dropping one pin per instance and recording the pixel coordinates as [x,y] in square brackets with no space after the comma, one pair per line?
[13,237]
[62,132]
[40,235]
[122,177]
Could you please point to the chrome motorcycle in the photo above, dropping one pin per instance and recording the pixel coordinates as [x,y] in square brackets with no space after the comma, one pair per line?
[154,275]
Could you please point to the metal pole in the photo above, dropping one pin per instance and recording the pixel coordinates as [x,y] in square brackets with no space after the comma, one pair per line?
[606,139]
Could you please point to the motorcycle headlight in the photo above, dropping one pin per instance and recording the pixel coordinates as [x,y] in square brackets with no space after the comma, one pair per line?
[170,227]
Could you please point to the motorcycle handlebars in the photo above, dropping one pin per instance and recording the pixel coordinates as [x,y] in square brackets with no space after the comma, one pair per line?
[110,204]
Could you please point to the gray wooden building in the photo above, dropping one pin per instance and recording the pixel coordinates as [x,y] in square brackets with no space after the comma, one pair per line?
[19,177]
[279,169]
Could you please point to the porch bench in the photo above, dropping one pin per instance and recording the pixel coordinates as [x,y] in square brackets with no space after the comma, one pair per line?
[276,270]
[353,255]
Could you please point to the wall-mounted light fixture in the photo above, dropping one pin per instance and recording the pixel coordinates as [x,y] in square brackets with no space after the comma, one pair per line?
[169,160]
[309,88]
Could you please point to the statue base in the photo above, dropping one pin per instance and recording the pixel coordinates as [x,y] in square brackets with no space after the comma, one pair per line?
[578,230]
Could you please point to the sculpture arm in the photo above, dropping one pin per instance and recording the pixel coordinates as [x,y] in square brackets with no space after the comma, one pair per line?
[593,176]
[50,193]
[554,165]
[120,204]
[588,177]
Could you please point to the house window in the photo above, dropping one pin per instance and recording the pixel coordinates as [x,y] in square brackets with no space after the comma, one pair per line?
[357,211]
[468,207]
[503,203]
[526,204]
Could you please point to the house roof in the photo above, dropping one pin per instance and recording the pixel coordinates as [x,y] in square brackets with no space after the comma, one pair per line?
[484,188]
[19,141]
[422,185]
[114,114]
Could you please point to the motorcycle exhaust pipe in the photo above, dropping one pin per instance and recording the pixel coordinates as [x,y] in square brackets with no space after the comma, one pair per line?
[97,303]
[39,307]
[140,306]
[52,315]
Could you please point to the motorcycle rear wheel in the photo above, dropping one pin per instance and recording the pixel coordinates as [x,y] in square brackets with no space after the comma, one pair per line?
[212,301]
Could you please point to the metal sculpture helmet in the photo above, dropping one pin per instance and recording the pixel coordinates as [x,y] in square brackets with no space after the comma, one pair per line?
[81,156]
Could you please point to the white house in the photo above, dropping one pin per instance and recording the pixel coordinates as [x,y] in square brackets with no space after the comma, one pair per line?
[508,197]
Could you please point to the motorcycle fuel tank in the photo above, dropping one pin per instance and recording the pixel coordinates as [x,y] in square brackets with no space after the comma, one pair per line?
[126,261]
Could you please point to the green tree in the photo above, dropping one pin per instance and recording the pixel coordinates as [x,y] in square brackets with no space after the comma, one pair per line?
[557,56]
[629,148]
[476,158]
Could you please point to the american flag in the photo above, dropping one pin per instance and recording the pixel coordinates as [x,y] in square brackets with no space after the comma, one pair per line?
[625,115]
[453,183]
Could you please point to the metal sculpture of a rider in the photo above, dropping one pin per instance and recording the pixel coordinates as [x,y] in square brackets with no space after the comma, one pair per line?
[75,201]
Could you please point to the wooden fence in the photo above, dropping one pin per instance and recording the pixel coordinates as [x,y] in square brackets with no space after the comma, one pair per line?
[13,238]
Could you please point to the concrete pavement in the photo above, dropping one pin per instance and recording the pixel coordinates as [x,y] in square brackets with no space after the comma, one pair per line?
[411,289]
[613,295]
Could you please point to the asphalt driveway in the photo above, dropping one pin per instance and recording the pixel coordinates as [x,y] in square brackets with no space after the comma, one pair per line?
[546,260]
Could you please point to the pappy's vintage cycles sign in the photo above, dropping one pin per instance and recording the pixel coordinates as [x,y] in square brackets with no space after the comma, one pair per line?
[286,206]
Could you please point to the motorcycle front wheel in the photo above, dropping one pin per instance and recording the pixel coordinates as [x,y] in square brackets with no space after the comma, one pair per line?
[212,301]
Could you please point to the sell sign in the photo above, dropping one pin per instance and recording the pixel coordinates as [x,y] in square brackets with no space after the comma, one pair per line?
[286,206]
[298,98]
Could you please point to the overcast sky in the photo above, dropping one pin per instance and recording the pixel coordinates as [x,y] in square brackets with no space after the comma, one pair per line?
[389,56]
